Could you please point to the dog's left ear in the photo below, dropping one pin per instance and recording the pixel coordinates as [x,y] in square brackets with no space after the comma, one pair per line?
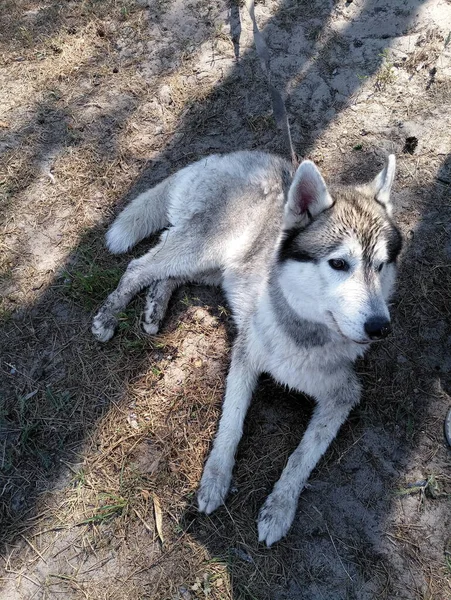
[381,185]
[307,196]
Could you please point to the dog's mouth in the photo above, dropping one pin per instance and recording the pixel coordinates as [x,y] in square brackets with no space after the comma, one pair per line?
[336,327]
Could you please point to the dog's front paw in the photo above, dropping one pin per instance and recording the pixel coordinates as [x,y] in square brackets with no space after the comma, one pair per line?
[275,518]
[103,327]
[213,490]
[150,327]
[151,320]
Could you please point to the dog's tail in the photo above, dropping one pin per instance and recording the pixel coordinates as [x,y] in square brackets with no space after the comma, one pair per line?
[144,215]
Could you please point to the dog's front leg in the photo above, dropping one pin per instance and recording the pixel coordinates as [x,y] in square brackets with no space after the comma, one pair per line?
[217,474]
[277,513]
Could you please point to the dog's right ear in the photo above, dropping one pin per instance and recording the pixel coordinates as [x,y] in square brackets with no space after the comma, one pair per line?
[307,196]
[381,185]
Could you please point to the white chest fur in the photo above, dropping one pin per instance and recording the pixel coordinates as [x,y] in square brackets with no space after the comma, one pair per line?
[310,369]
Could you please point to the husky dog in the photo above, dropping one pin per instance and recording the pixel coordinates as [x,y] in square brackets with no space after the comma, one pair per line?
[307,272]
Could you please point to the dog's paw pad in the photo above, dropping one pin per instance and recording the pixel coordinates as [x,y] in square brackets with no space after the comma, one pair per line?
[103,329]
[150,327]
[275,519]
[212,493]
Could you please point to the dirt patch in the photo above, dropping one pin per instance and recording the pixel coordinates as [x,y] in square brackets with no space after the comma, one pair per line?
[102,447]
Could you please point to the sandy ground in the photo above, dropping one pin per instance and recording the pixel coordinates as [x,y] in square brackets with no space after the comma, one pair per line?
[102,447]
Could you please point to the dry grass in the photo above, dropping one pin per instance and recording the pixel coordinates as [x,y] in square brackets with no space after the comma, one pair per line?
[59,79]
[125,463]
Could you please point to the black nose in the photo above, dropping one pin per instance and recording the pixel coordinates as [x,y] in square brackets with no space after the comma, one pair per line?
[377,328]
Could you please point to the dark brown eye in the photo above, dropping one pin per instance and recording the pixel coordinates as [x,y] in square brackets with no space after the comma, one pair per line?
[338,264]
[379,268]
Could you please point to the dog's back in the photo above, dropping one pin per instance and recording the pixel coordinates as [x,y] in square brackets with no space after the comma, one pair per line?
[219,196]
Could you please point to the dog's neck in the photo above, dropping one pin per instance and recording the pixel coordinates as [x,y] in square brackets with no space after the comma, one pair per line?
[305,333]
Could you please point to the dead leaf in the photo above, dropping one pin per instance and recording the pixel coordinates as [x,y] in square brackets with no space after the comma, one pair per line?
[158,517]
[145,494]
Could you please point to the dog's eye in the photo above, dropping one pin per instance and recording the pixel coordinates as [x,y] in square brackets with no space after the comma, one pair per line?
[338,264]
[379,268]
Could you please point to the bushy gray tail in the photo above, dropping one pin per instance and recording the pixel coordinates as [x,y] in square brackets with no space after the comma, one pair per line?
[144,215]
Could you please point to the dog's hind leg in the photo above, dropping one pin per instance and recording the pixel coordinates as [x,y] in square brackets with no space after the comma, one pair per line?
[175,256]
[159,293]
[157,299]
[277,513]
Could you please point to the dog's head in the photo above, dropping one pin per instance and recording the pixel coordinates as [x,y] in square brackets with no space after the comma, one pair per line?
[338,253]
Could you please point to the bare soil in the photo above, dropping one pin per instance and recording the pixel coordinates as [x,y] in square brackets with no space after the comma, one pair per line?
[102,447]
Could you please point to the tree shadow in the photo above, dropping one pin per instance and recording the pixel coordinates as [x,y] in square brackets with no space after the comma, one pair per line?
[338,546]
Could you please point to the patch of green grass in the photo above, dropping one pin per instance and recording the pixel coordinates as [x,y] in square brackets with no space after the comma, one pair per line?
[448,562]
[427,488]
[34,420]
[126,319]
[79,479]
[385,75]
[90,283]
[137,344]
[36,407]
[113,507]
[188,300]
[59,400]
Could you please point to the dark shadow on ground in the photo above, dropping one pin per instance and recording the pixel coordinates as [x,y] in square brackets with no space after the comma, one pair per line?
[338,544]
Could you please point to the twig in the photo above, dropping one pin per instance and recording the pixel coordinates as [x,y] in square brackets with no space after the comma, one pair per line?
[33,547]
